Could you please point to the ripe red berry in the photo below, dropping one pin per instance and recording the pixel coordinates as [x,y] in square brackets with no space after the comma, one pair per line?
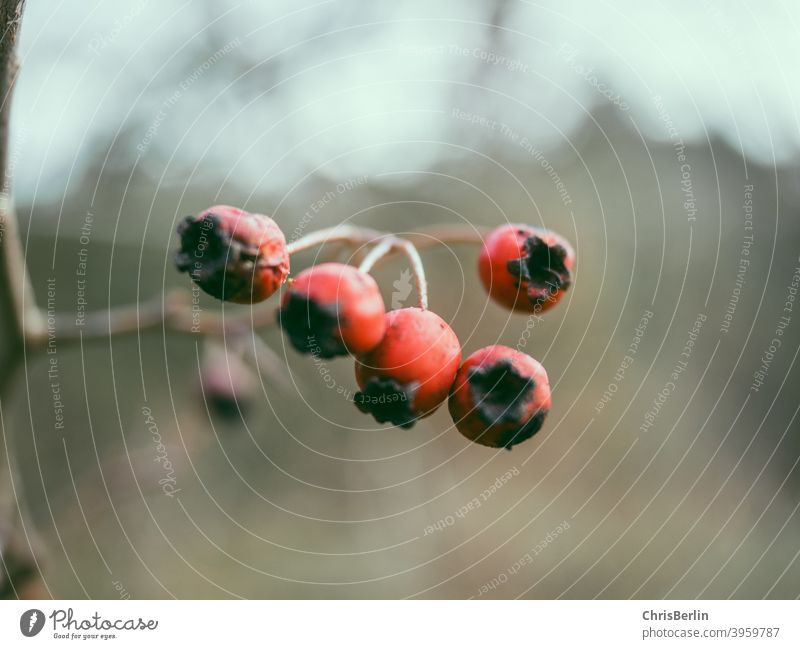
[409,374]
[333,309]
[232,254]
[526,268]
[500,397]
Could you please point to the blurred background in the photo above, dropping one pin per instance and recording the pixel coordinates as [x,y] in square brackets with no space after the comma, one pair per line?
[661,139]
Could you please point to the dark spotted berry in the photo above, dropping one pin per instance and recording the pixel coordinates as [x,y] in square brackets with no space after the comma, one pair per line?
[333,309]
[526,268]
[233,255]
[500,397]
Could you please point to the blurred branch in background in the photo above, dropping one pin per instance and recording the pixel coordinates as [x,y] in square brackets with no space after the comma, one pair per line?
[19,571]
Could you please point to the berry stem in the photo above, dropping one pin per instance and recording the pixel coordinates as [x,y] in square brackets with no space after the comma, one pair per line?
[391,243]
[383,248]
[426,237]
[347,233]
[447,234]
[420,282]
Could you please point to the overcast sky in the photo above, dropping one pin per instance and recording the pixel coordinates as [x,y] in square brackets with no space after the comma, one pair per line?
[272,91]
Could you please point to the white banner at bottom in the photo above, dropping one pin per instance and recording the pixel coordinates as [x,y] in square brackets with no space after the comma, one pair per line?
[378,624]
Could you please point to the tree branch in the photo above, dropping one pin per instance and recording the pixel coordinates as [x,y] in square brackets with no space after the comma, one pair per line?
[19,317]
[16,315]
[172,311]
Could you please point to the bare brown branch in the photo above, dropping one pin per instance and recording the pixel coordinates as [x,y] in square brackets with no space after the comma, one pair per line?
[172,311]
[19,316]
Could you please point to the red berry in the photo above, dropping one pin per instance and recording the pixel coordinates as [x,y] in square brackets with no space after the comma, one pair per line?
[526,268]
[333,309]
[232,254]
[500,397]
[227,383]
[409,374]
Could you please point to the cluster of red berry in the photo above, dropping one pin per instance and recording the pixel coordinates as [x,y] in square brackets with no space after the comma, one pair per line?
[408,360]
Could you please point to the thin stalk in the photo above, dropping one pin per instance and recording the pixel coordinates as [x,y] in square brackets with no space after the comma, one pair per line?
[383,248]
[420,282]
[392,243]
[349,233]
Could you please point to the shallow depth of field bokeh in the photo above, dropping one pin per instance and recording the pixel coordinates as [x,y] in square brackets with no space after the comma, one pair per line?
[662,140]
